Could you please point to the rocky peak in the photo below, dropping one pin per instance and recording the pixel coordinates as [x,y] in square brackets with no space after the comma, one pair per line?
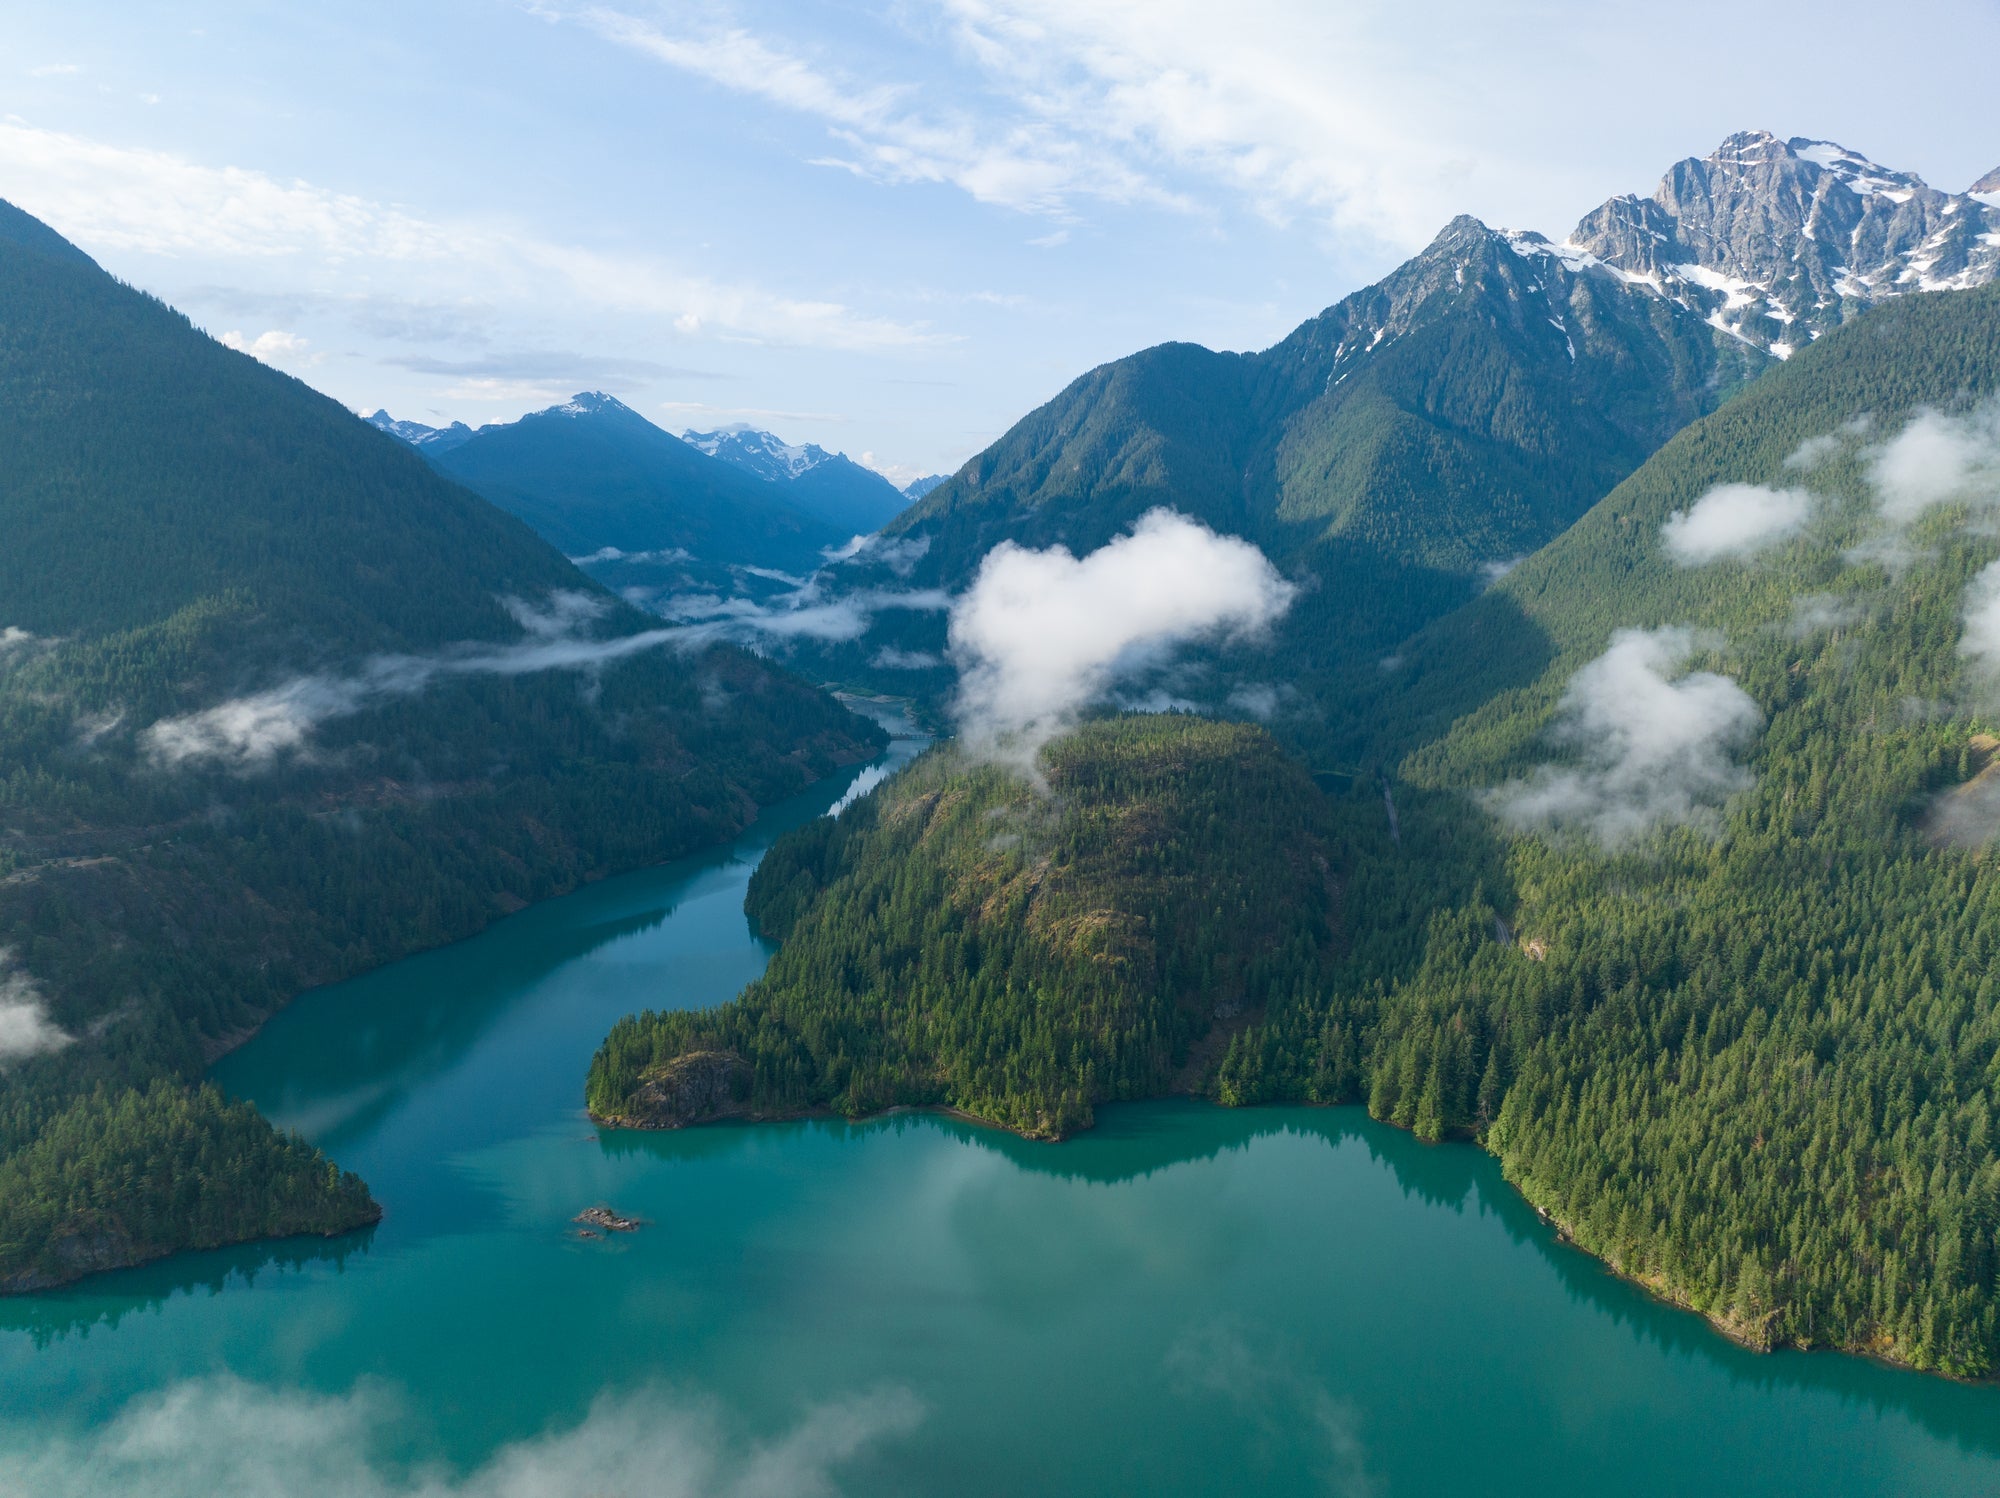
[1988,185]
[1778,241]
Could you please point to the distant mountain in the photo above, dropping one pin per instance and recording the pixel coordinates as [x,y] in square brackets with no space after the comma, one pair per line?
[432,439]
[1399,451]
[276,705]
[595,477]
[1988,185]
[828,485]
[916,489]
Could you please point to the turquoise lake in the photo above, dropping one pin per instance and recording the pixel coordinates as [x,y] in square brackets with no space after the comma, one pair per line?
[1186,1300]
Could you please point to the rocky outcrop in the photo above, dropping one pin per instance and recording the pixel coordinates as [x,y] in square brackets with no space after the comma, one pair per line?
[698,1087]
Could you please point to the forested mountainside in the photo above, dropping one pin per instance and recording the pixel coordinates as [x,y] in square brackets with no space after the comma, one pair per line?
[593,475]
[1676,889]
[1402,449]
[278,703]
[959,939]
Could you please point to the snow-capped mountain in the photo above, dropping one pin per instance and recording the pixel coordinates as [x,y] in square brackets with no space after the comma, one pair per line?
[830,485]
[916,489]
[436,439]
[1778,241]
[764,454]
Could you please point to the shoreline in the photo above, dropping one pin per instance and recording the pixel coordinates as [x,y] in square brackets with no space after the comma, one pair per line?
[1564,1237]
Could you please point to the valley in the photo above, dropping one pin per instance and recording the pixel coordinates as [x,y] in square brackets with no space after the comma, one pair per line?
[1413,908]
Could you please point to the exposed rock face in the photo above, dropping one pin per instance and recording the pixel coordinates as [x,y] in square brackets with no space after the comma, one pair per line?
[1778,241]
[698,1087]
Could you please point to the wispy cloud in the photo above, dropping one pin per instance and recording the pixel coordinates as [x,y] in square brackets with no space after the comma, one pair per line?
[1316,111]
[153,202]
[879,128]
[1653,745]
[250,732]
[25,1027]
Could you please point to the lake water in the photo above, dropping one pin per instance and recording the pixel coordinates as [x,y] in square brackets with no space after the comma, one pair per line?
[1187,1300]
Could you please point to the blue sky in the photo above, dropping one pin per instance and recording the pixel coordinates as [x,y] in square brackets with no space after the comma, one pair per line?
[891,228]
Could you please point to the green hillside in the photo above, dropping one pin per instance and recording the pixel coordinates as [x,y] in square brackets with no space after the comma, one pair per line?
[956,939]
[1388,454]
[267,719]
[1751,1063]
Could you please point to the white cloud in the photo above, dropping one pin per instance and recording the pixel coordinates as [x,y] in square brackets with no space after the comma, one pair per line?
[110,197]
[1734,520]
[1653,746]
[225,1435]
[269,346]
[25,1027]
[1938,459]
[1041,634]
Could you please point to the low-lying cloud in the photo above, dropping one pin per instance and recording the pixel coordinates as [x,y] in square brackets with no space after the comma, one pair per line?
[225,1435]
[806,613]
[1734,521]
[1653,746]
[249,732]
[900,554]
[1938,459]
[25,1027]
[1041,634]
[1980,643]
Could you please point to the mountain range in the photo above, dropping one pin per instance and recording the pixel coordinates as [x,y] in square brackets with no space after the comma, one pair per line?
[1406,446]
[643,509]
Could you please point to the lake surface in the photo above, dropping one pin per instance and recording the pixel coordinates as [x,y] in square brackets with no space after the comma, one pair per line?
[1187,1300]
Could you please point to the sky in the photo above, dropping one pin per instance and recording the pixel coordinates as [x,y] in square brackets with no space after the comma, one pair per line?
[891,228]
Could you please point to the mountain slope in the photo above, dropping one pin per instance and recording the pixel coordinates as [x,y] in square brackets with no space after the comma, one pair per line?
[1390,454]
[592,473]
[277,704]
[1746,1048]
[958,939]
[1403,448]
[831,486]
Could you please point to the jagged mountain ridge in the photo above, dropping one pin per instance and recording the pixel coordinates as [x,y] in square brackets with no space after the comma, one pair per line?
[1779,241]
[763,453]
[433,439]
[831,486]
